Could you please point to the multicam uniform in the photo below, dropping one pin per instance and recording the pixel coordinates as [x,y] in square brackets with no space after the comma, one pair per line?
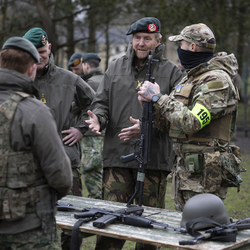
[200,115]
[34,168]
[58,88]
[92,146]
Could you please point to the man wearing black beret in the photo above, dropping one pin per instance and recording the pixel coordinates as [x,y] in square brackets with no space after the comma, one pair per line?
[116,108]
[34,168]
[75,63]
[88,68]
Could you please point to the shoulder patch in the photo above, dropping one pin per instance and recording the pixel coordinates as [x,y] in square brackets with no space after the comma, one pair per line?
[215,84]
[178,88]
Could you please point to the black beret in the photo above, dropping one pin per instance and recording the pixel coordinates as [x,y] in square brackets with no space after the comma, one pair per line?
[17,42]
[75,59]
[91,56]
[37,36]
[145,25]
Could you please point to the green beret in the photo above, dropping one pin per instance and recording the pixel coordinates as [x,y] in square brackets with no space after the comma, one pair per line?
[21,43]
[91,56]
[37,36]
[75,59]
[145,25]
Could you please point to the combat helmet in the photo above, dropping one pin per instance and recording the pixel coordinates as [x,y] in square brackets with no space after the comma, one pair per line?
[204,205]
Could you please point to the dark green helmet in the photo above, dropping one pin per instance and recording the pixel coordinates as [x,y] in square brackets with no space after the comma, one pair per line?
[204,205]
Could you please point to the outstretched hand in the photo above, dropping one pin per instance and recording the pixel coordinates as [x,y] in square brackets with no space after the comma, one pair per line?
[73,136]
[93,123]
[132,132]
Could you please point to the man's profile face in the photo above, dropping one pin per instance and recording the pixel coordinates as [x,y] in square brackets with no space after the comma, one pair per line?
[143,43]
[78,69]
[44,53]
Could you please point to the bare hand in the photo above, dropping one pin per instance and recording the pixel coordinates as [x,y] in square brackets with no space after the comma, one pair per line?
[147,90]
[131,132]
[73,136]
[93,122]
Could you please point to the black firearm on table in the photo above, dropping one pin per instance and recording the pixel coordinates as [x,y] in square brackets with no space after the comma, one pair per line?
[216,232]
[89,214]
[94,213]
[137,221]
[142,155]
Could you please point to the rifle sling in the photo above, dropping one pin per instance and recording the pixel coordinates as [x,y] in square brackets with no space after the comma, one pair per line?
[74,244]
[190,225]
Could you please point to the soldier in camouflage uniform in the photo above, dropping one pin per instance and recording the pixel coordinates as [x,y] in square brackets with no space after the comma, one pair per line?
[91,144]
[117,109]
[34,168]
[200,116]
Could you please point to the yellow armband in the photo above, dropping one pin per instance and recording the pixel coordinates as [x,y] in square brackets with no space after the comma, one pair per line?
[202,114]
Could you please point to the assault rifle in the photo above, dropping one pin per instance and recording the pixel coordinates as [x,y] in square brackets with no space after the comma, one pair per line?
[142,154]
[223,233]
[88,214]
[137,221]
[95,213]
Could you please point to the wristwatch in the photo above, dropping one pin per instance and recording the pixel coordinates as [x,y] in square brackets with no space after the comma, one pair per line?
[155,98]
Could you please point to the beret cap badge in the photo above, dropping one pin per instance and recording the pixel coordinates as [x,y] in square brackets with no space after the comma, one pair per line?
[44,40]
[152,27]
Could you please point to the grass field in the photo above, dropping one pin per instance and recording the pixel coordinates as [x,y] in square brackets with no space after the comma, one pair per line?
[237,203]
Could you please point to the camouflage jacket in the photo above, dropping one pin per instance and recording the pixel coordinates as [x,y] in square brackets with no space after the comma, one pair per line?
[116,100]
[211,86]
[58,89]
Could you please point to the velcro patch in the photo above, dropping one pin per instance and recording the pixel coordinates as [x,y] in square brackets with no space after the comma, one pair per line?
[215,84]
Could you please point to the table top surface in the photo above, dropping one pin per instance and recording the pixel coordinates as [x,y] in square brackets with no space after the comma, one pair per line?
[155,236]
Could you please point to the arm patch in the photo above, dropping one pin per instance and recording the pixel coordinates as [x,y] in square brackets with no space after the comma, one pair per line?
[202,114]
[215,85]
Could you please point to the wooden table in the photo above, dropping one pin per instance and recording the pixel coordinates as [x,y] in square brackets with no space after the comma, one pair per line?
[158,237]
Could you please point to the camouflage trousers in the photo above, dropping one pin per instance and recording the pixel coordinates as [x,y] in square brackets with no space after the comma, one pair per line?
[33,239]
[186,185]
[119,185]
[91,164]
[77,183]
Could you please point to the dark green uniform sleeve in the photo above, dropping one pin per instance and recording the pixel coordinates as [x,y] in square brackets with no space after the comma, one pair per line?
[83,97]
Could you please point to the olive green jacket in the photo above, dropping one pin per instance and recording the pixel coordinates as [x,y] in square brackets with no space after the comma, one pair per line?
[34,129]
[116,100]
[93,78]
[58,89]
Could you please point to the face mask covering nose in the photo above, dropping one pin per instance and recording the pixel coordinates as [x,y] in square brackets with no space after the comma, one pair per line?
[190,59]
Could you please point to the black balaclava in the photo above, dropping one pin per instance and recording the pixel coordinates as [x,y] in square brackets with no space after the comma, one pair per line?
[190,59]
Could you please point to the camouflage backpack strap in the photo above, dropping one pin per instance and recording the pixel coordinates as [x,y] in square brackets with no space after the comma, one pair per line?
[7,111]
[19,192]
